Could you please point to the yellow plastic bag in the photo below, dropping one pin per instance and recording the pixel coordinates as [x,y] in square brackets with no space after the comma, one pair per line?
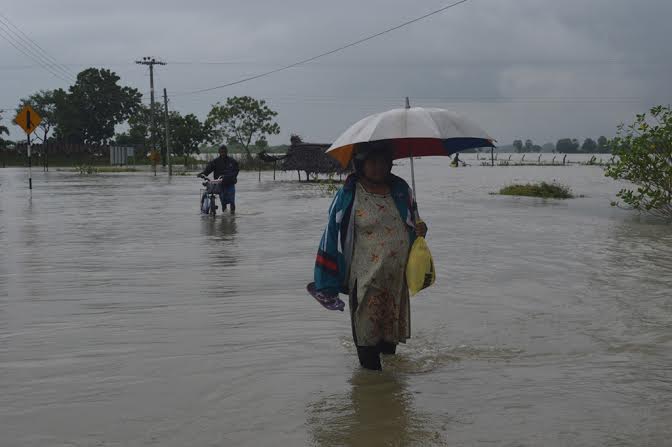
[420,272]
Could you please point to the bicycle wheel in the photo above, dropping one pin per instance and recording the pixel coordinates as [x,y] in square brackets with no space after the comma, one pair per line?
[205,204]
[213,205]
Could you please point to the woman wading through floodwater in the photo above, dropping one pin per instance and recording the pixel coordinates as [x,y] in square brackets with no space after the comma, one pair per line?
[364,250]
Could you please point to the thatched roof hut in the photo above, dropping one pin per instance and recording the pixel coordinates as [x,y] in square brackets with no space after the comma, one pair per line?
[268,158]
[310,158]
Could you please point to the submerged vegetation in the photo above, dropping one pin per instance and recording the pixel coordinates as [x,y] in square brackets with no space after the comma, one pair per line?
[542,189]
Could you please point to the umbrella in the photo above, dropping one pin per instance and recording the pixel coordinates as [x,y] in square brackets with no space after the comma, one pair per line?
[412,132]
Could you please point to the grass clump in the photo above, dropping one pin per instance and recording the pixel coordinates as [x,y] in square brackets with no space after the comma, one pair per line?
[107,169]
[86,169]
[542,189]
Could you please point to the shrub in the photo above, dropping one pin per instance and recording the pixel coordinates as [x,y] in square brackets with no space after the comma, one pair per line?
[543,189]
[644,150]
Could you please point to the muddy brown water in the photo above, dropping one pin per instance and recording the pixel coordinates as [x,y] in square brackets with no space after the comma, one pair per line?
[127,319]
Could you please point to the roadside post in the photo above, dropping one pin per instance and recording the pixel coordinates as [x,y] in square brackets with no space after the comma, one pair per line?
[28,119]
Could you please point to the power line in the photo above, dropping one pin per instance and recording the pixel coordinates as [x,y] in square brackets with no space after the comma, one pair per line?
[4,34]
[12,41]
[387,66]
[344,100]
[37,46]
[327,53]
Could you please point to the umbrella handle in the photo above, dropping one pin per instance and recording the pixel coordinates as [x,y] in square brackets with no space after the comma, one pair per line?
[412,172]
[410,150]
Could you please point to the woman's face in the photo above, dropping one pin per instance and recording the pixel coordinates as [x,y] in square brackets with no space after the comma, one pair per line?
[377,167]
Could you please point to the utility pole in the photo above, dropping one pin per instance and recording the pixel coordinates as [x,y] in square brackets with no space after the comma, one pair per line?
[151,62]
[170,164]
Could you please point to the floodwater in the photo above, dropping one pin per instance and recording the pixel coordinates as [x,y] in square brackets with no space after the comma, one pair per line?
[127,319]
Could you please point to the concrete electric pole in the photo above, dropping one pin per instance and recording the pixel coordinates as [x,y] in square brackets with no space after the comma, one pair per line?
[150,61]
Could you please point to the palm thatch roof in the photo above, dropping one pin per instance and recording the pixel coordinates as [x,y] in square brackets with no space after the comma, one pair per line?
[310,158]
[268,158]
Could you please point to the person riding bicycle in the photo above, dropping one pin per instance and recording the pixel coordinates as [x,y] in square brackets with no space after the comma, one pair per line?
[226,168]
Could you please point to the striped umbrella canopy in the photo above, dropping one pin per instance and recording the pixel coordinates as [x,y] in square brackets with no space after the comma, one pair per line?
[412,132]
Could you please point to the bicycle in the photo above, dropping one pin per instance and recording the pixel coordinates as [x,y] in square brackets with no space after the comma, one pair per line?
[209,195]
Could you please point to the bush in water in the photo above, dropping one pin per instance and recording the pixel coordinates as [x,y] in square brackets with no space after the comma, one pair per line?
[644,150]
[543,190]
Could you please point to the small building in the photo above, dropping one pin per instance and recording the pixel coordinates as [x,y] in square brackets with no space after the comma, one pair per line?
[310,158]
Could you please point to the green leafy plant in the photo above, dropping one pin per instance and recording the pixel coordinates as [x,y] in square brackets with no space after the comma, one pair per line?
[243,121]
[328,186]
[644,158]
[543,189]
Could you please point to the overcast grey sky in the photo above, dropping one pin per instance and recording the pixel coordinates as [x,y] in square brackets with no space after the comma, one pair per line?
[540,69]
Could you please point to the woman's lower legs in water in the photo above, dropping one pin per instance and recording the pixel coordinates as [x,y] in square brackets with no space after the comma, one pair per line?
[369,357]
[387,348]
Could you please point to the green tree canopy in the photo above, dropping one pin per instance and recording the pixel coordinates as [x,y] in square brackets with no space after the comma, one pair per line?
[91,108]
[187,134]
[44,103]
[548,147]
[567,146]
[644,158]
[589,146]
[139,124]
[242,120]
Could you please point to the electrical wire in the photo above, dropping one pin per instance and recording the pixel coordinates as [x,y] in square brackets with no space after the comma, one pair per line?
[35,46]
[12,41]
[327,53]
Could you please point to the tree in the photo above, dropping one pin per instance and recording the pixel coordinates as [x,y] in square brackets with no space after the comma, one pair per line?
[44,103]
[548,147]
[124,139]
[589,146]
[603,145]
[242,120]
[3,129]
[93,106]
[261,144]
[567,146]
[139,124]
[187,134]
[529,145]
[518,145]
[644,158]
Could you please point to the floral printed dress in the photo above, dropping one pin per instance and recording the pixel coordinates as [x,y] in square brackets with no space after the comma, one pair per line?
[379,300]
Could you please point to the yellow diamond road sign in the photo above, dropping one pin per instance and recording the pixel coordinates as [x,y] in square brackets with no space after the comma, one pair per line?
[28,119]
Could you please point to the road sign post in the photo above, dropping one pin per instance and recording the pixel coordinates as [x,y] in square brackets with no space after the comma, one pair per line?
[28,119]
[30,165]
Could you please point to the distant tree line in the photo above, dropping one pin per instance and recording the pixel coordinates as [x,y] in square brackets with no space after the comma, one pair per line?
[566,146]
[92,109]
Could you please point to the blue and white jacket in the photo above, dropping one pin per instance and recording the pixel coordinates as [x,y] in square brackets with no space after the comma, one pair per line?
[332,266]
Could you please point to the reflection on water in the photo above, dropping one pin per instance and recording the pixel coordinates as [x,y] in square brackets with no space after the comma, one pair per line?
[378,410]
[223,228]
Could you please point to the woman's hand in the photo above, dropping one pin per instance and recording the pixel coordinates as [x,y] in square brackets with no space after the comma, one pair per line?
[421,228]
